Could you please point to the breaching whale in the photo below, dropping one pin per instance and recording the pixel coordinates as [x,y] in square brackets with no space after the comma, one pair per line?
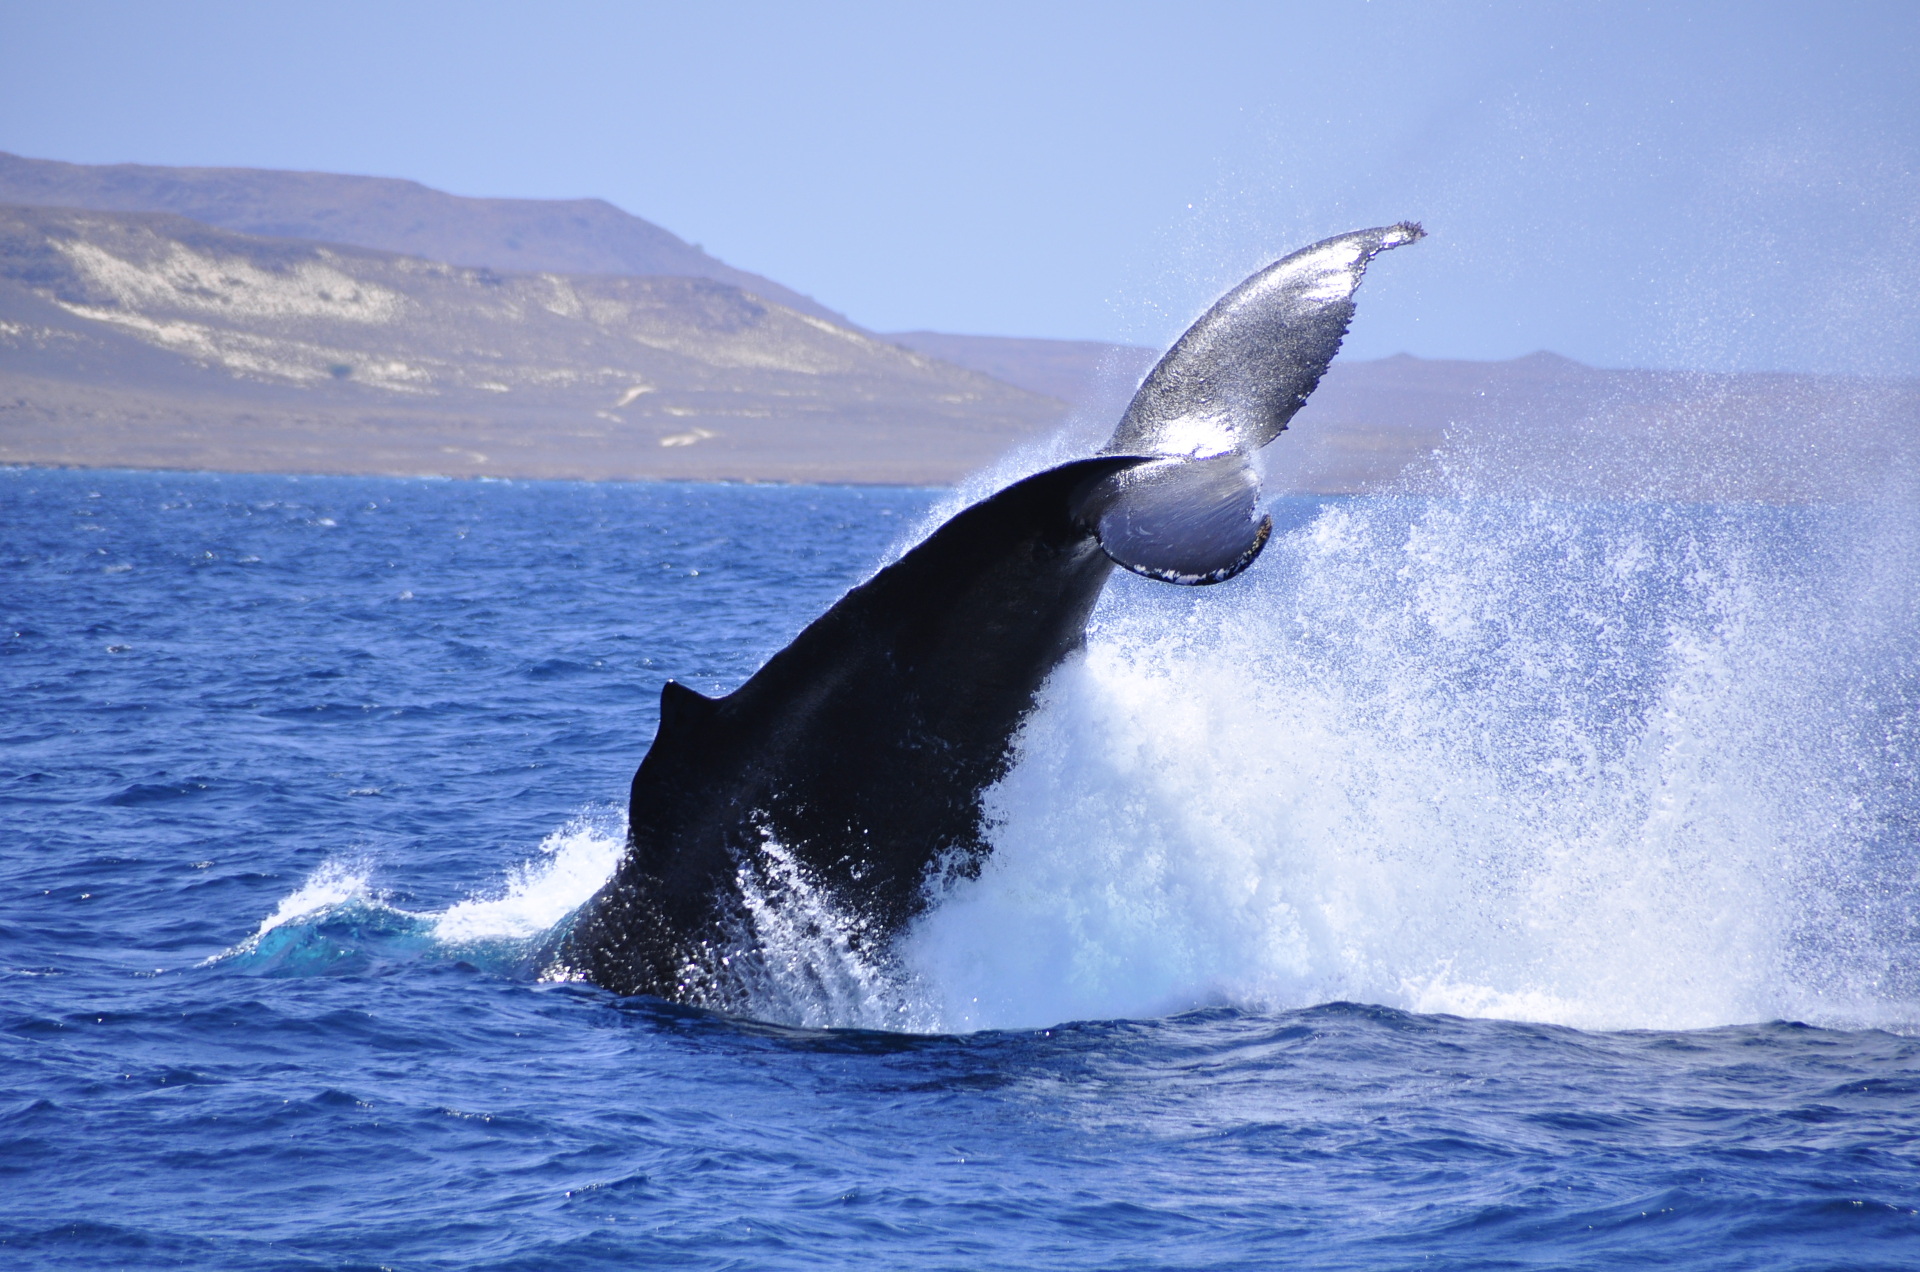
[857,755]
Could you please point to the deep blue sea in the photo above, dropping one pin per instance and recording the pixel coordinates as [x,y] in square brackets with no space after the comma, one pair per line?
[1472,884]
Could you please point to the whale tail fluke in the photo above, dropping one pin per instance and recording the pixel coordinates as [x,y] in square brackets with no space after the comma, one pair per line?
[1239,374]
[1226,388]
[1182,521]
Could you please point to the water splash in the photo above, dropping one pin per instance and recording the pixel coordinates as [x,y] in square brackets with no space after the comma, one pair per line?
[572,864]
[338,923]
[1608,766]
[805,961]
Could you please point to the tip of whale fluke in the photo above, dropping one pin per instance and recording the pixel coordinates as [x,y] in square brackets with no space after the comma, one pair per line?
[1237,376]
[854,760]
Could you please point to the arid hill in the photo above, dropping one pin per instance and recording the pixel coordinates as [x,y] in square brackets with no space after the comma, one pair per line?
[1542,424]
[1546,425]
[1087,373]
[557,236]
[154,341]
[151,340]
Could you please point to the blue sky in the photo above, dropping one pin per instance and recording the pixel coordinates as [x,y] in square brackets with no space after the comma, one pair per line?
[1703,185]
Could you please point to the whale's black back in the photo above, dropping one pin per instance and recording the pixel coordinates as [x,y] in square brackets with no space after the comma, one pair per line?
[861,749]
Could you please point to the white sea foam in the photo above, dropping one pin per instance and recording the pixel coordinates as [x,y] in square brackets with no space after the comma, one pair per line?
[498,925]
[572,864]
[1605,768]
[334,884]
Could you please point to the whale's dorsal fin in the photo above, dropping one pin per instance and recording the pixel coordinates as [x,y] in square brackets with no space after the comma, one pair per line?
[682,708]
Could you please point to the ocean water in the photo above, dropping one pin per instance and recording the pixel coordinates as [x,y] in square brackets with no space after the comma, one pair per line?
[1473,884]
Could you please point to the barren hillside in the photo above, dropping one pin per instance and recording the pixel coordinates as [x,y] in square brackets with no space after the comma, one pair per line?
[145,339]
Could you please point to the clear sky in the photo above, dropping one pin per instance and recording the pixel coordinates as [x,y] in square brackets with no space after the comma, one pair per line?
[1727,185]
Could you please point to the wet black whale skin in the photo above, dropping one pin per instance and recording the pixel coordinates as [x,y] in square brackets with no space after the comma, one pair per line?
[861,748]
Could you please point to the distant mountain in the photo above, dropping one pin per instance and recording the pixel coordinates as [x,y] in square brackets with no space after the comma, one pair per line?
[1541,424]
[1083,372]
[616,350]
[1548,426]
[560,236]
[150,340]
